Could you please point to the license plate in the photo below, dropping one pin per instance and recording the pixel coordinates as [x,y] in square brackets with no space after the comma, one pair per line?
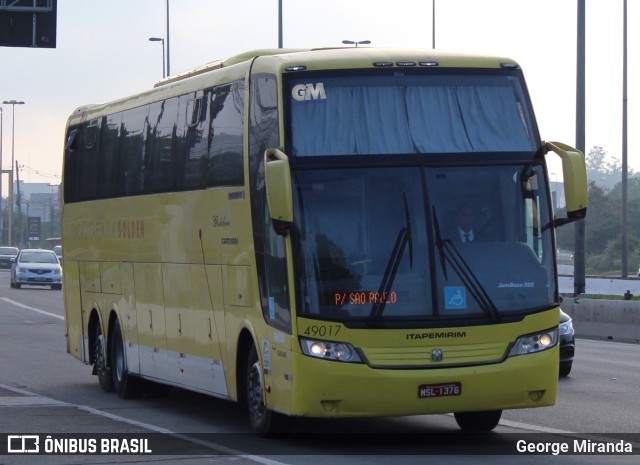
[439,390]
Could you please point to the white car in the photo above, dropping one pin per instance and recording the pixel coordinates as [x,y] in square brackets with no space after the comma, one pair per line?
[36,267]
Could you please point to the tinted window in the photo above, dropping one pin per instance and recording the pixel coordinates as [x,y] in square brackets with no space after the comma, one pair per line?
[406,114]
[131,153]
[110,137]
[193,141]
[226,110]
[196,157]
[159,155]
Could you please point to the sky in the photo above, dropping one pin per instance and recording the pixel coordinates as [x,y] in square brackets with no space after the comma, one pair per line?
[103,53]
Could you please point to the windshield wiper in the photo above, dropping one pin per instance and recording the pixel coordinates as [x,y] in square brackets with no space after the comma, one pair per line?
[436,225]
[449,253]
[404,238]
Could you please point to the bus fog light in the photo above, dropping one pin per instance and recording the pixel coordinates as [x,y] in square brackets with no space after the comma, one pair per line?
[329,350]
[534,343]
[536,396]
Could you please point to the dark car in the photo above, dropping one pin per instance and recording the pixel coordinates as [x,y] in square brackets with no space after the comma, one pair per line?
[6,254]
[58,251]
[567,344]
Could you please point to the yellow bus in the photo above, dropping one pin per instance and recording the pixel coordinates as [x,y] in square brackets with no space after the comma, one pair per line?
[278,229]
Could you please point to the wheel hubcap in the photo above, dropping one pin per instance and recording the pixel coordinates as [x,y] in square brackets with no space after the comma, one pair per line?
[100,359]
[255,390]
[119,363]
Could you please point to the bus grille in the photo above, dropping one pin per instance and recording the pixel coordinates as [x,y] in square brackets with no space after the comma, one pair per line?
[424,357]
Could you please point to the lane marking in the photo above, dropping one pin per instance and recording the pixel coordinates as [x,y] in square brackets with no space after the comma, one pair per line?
[33,309]
[537,429]
[36,400]
[30,401]
[39,401]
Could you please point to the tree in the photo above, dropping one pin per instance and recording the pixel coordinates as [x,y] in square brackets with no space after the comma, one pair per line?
[600,227]
[602,169]
[603,228]
[603,222]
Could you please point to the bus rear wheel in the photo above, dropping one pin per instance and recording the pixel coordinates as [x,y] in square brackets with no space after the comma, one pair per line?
[263,420]
[478,421]
[100,366]
[125,385]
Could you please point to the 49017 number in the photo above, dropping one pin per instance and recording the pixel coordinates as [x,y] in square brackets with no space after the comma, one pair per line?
[322,330]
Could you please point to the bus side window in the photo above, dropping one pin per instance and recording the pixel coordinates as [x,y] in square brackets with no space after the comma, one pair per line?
[131,151]
[225,166]
[533,221]
[197,141]
[278,313]
[109,142]
[160,143]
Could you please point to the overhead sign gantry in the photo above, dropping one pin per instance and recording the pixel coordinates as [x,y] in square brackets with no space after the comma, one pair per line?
[28,23]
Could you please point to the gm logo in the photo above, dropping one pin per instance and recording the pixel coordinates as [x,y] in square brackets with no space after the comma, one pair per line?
[306,92]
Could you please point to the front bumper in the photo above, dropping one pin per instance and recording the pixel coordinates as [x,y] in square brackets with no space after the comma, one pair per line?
[334,389]
[33,279]
[567,348]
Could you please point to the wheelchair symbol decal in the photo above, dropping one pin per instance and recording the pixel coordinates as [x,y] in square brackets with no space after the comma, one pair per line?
[455,298]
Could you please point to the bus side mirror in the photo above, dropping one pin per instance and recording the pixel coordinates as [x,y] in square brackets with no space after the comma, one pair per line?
[574,172]
[279,189]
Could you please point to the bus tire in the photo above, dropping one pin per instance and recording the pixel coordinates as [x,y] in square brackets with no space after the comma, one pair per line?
[100,366]
[125,385]
[478,421]
[262,420]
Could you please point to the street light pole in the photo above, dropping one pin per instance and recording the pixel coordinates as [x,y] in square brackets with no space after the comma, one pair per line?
[625,171]
[279,23]
[168,61]
[433,25]
[160,39]
[13,103]
[579,281]
[1,173]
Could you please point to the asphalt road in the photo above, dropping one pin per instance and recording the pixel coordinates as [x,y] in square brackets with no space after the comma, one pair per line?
[43,390]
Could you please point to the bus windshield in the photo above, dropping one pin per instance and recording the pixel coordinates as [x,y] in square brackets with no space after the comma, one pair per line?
[372,247]
[404,114]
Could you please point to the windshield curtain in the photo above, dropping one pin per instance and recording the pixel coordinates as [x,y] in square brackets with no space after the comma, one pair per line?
[377,243]
[409,114]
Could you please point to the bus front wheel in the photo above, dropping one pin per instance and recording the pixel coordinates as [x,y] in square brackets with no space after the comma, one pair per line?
[478,421]
[263,420]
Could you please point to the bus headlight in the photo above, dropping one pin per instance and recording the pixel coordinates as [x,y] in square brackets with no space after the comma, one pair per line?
[534,342]
[329,350]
